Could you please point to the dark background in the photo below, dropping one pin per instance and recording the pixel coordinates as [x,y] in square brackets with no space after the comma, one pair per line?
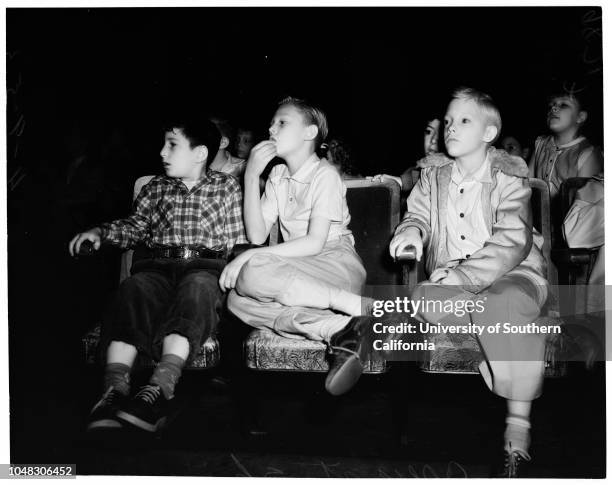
[377,72]
[104,77]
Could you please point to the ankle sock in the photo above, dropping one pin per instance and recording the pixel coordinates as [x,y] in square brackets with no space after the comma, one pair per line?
[517,435]
[167,373]
[345,302]
[117,375]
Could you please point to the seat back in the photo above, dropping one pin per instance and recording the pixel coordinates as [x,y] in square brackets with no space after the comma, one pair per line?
[540,209]
[375,211]
[126,258]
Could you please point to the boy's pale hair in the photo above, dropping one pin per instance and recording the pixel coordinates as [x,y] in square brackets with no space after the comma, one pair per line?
[485,104]
[312,116]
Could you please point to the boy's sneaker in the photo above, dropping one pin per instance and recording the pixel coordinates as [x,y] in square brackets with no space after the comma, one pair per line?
[350,348]
[147,410]
[104,414]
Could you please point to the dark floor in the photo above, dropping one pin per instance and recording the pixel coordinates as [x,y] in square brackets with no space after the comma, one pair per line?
[452,427]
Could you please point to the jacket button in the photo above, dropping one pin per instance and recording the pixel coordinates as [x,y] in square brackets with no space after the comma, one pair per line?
[467,256]
[461,191]
[462,237]
[461,214]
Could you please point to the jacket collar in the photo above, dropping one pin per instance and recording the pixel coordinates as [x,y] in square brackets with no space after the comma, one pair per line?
[500,161]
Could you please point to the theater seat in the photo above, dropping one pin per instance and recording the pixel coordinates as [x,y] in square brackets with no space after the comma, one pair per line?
[208,353]
[460,353]
[374,208]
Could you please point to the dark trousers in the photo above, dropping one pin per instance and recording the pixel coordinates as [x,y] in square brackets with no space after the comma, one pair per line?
[166,296]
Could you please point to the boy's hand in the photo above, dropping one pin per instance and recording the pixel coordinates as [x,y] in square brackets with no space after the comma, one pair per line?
[408,237]
[452,279]
[383,176]
[446,276]
[92,235]
[260,156]
[230,273]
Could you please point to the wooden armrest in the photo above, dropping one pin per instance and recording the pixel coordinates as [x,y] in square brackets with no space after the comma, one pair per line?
[577,256]
[408,254]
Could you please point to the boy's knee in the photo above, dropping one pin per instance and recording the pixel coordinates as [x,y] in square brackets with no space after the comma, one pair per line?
[200,280]
[137,283]
[259,271]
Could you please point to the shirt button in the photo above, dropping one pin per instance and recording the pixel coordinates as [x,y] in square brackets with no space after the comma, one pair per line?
[461,214]
[462,237]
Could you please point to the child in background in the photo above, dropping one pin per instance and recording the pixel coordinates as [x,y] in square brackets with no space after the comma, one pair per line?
[564,153]
[296,288]
[189,219]
[430,146]
[245,139]
[513,146]
[338,154]
[223,161]
[472,210]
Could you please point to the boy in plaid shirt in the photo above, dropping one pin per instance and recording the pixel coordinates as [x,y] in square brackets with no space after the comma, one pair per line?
[187,221]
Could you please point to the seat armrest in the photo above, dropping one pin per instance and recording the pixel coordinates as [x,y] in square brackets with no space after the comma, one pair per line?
[408,254]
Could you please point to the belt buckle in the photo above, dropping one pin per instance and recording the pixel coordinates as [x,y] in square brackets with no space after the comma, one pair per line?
[189,253]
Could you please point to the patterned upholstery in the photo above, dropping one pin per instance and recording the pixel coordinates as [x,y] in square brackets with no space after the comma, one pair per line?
[266,350]
[208,355]
[459,353]
[375,214]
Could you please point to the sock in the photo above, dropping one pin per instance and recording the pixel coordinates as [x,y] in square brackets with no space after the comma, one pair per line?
[517,436]
[117,375]
[167,374]
[345,302]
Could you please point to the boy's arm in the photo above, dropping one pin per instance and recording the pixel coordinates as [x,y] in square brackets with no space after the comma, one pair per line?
[133,229]
[511,238]
[256,208]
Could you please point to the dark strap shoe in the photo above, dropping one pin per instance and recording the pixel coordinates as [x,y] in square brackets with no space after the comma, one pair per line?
[349,349]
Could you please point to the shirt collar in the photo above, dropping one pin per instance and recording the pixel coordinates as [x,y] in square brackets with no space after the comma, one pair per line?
[571,143]
[482,175]
[306,172]
[205,178]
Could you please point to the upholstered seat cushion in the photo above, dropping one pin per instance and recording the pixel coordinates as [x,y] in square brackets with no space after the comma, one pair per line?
[266,350]
[207,356]
[460,354]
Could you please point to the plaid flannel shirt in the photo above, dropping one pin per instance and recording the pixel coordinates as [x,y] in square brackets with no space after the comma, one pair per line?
[166,213]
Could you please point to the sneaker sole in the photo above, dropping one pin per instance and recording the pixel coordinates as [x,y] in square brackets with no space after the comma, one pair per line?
[139,423]
[104,424]
[345,378]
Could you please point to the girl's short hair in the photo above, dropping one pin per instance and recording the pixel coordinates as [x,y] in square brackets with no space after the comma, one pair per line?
[312,116]
[486,105]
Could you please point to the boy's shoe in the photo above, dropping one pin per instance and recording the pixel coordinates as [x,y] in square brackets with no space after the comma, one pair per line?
[147,410]
[514,462]
[349,347]
[104,413]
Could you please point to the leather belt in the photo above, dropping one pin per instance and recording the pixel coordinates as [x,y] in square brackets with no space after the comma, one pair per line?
[184,252]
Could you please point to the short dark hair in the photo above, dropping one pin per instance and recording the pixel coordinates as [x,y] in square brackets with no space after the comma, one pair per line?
[312,115]
[198,130]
